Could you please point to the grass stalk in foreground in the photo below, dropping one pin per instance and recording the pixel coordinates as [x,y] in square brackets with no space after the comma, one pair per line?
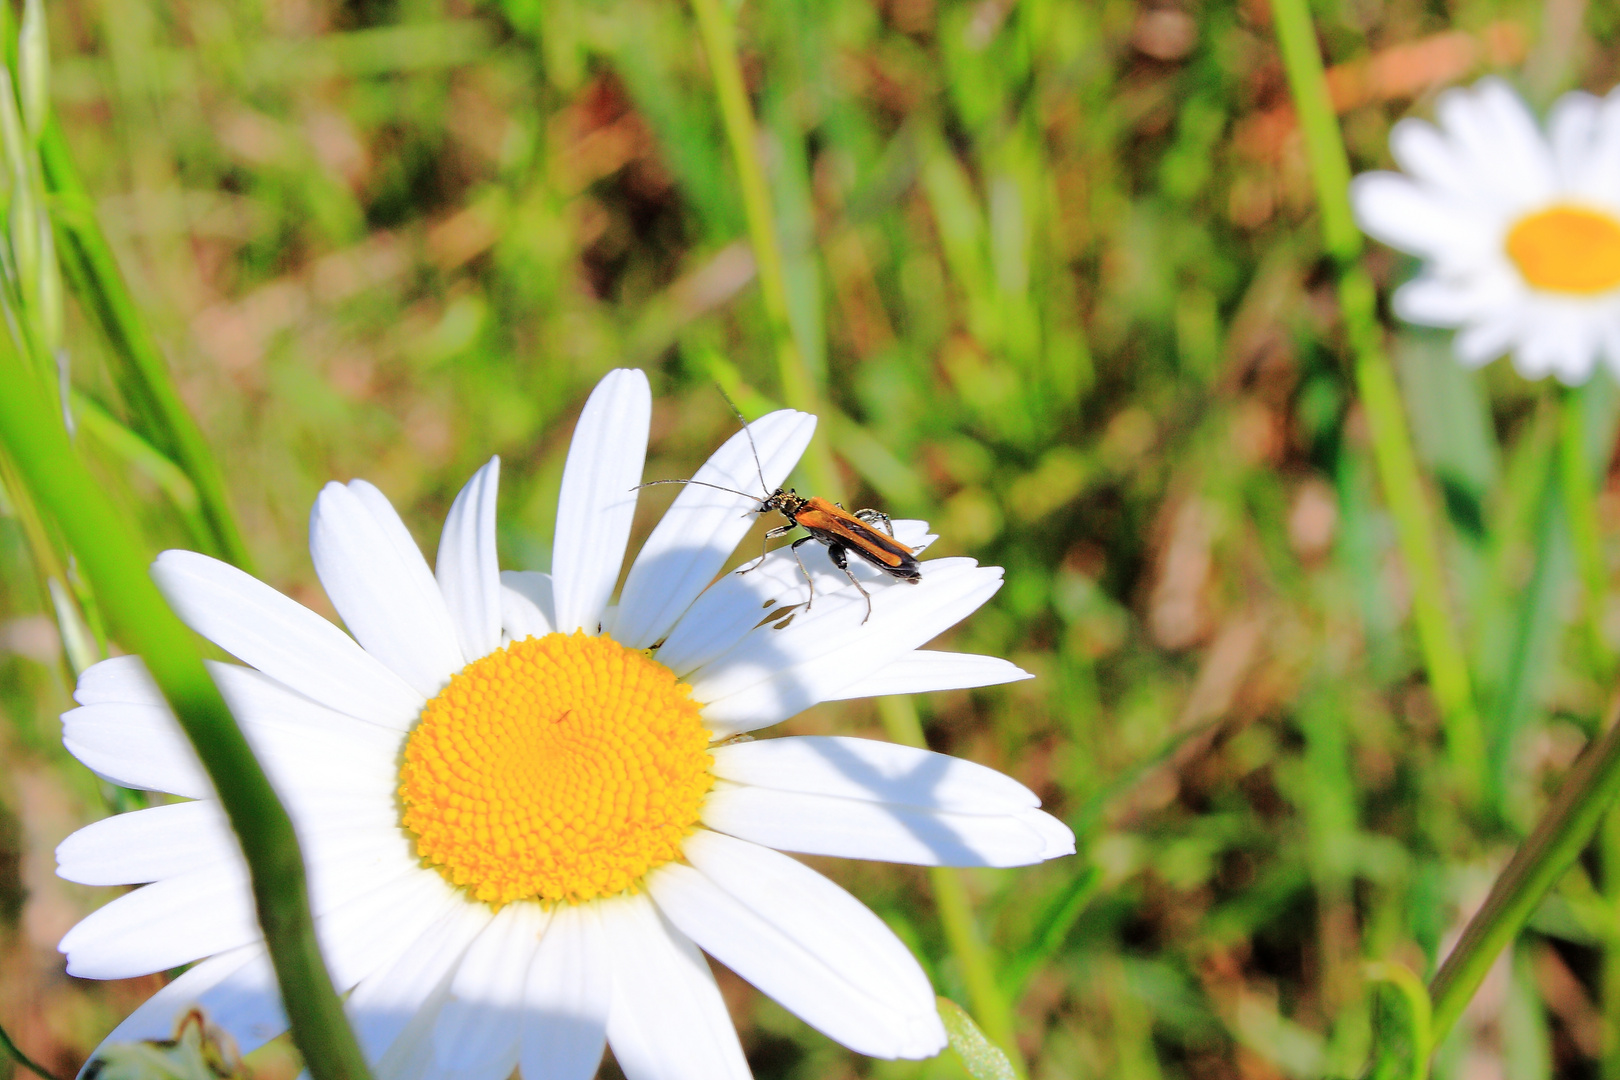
[110,557]
[799,388]
[143,375]
[973,958]
[1443,656]
[1564,829]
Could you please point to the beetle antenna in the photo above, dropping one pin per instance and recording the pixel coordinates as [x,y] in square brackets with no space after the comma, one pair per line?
[699,483]
[763,486]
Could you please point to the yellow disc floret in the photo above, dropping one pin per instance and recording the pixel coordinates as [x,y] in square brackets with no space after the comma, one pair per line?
[560,768]
[1567,249]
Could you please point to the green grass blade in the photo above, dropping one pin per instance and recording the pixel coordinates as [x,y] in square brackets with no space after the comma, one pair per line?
[143,376]
[983,1059]
[110,556]
[1564,829]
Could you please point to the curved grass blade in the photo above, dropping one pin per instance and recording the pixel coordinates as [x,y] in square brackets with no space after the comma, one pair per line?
[111,558]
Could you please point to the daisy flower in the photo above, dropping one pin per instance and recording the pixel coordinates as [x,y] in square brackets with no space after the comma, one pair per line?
[525,809]
[1519,232]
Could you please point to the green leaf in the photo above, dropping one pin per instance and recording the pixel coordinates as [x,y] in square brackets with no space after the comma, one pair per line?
[983,1059]
[199,1050]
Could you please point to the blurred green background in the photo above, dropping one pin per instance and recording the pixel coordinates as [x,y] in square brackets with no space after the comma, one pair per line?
[1056,268]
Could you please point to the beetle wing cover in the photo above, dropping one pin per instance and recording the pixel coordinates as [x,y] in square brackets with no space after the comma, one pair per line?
[832,524]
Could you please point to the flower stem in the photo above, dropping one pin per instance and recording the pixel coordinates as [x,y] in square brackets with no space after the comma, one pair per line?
[1578,480]
[799,389]
[1564,829]
[1438,641]
[143,376]
[974,961]
[110,557]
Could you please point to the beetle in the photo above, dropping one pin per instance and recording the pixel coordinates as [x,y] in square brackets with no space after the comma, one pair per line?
[867,533]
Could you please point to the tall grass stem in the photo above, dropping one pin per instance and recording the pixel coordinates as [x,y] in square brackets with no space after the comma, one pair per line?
[1438,640]
[799,388]
[1578,480]
[110,557]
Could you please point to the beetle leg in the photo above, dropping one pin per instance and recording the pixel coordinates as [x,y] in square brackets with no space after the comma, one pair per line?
[877,518]
[808,580]
[840,559]
[770,534]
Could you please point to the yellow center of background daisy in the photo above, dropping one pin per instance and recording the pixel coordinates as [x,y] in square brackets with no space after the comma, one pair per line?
[1567,249]
[561,768]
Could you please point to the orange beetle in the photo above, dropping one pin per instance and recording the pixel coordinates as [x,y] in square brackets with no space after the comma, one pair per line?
[867,533]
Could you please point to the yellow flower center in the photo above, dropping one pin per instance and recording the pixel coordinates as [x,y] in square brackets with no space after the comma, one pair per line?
[1567,249]
[562,768]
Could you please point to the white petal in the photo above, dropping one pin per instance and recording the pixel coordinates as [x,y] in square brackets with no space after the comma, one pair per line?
[1601,179]
[1403,215]
[164,924]
[526,604]
[1425,154]
[1536,353]
[136,746]
[1488,339]
[283,639]
[480,1025]
[1498,143]
[237,989]
[767,591]
[468,574]
[1524,159]
[302,744]
[667,1021]
[886,832]
[875,771]
[146,845]
[923,670]
[774,673]
[1571,126]
[804,941]
[353,864]
[1610,334]
[566,1002]
[597,504]
[381,585]
[1058,837]
[389,1002]
[702,527]
[1566,344]
[122,680]
[1431,301]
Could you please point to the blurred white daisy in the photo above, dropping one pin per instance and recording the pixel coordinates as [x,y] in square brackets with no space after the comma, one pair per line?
[1519,232]
[519,806]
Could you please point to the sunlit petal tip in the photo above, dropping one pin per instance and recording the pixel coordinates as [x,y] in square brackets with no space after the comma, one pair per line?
[380,584]
[1059,837]
[466,568]
[597,502]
